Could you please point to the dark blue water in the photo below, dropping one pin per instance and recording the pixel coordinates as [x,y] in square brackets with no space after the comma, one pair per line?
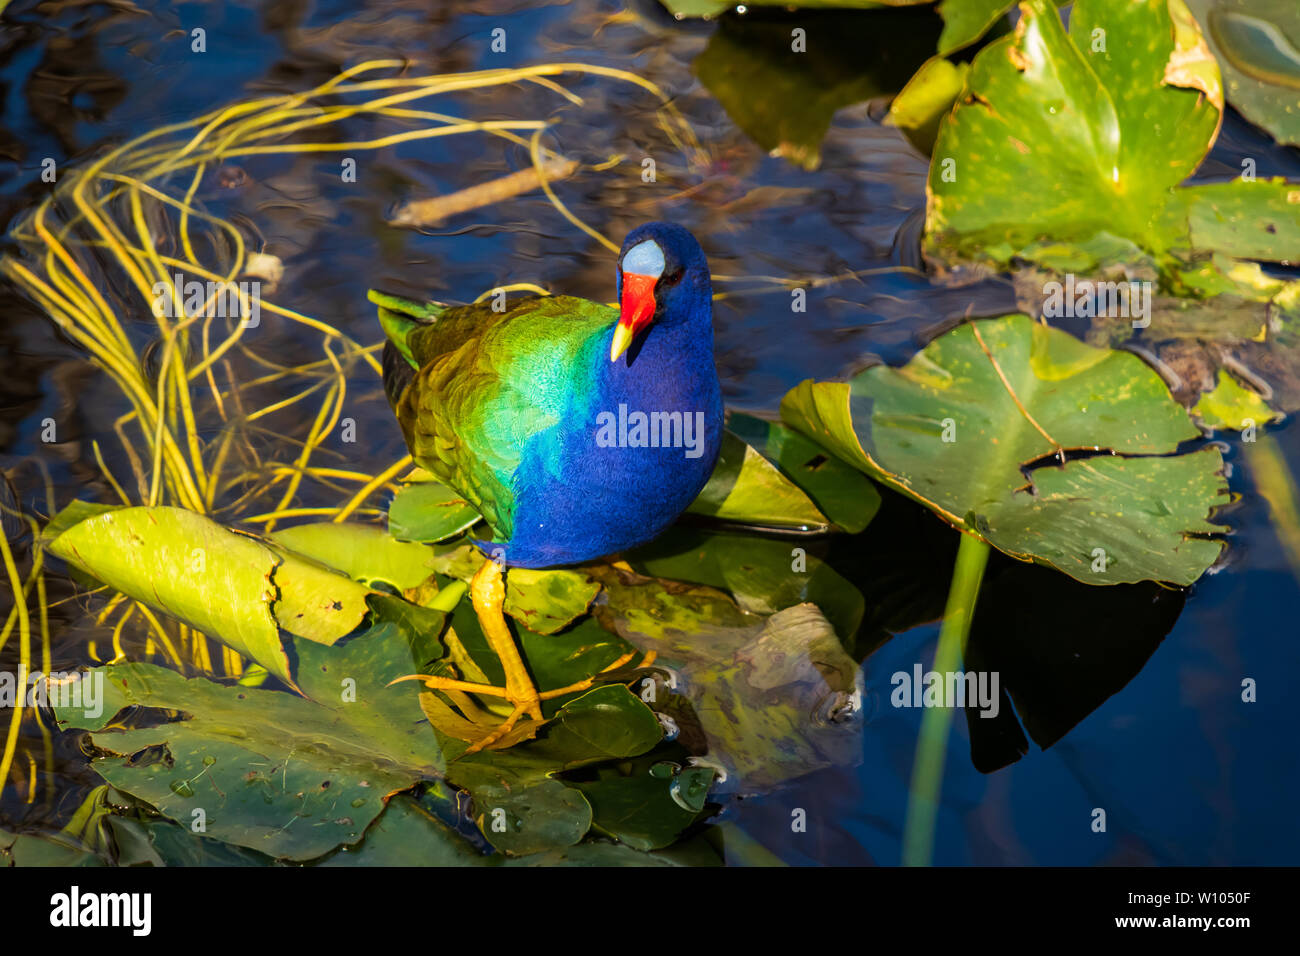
[1186,772]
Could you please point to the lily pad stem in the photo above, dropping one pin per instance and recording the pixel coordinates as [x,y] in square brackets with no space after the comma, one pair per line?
[932,742]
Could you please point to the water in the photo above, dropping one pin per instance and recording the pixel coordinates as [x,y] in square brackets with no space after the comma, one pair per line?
[1186,772]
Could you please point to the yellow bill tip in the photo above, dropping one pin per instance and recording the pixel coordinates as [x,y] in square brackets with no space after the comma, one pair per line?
[621,342]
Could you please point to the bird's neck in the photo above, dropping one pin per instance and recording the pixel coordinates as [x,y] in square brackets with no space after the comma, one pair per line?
[670,369]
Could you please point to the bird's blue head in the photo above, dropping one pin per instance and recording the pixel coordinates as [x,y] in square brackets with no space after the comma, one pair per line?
[663,279]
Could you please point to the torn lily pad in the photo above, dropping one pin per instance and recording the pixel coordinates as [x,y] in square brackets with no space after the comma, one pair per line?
[286,775]
[974,427]
[1067,151]
[1257,43]
[232,587]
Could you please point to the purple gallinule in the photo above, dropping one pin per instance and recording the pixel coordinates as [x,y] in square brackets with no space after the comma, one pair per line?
[576,430]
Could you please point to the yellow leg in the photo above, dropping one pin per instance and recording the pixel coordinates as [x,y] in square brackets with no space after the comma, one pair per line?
[488,593]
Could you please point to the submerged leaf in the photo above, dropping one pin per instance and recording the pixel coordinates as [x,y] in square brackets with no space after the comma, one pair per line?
[770,699]
[784,96]
[1229,405]
[764,575]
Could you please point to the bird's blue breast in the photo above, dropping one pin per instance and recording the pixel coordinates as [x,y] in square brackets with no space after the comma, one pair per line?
[626,460]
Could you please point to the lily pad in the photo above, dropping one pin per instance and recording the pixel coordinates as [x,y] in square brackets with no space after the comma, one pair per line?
[839,492]
[287,776]
[362,552]
[1257,43]
[1067,151]
[1228,405]
[519,805]
[647,803]
[406,834]
[746,488]
[429,511]
[981,450]
[230,586]
[548,601]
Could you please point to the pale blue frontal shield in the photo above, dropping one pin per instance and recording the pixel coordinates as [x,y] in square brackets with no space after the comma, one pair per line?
[645,259]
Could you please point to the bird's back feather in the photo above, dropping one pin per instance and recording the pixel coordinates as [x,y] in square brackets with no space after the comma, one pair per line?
[472,386]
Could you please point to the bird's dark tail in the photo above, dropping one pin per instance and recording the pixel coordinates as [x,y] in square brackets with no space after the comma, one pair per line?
[399,317]
[398,373]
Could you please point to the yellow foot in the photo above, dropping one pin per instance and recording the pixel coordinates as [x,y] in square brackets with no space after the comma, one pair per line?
[529,706]
[487,592]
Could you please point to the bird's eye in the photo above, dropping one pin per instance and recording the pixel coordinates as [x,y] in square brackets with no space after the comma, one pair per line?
[674,277]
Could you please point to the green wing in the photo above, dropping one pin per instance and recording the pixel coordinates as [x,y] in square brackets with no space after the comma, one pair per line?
[483,383]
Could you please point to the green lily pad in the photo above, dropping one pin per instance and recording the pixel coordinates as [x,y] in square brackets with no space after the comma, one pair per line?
[362,552]
[406,834]
[287,776]
[647,803]
[1136,511]
[747,488]
[1257,44]
[519,805]
[230,586]
[429,511]
[1055,139]
[548,601]
[841,493]
[1067,151]
[1228,405]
